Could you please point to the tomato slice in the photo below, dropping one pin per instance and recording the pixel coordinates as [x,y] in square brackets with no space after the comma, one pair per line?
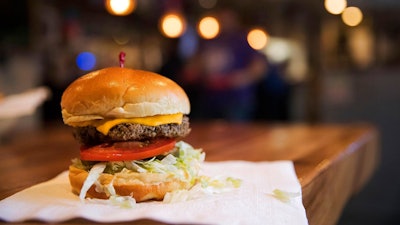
[121,151]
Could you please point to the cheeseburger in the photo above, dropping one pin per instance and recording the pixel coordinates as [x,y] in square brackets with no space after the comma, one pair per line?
[130,124]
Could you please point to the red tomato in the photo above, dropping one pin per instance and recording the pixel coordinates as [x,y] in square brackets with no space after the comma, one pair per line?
[131,150]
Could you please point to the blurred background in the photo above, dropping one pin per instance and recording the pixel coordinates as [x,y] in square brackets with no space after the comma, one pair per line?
[269,60]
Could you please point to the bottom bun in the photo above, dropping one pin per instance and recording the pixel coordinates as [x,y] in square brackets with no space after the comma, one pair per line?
[141,186]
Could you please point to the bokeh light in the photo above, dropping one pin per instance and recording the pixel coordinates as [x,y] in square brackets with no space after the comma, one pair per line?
[120,7]
[352,16]
[257,38]
[335,6]
[278,50]
[86,61]
[208,27]
[172,25]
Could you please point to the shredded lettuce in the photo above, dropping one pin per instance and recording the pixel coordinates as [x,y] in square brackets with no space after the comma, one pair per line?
[284,196]
[108,189]
[185,160]
[184,195]
[92,177]
[219,184]
[205,186]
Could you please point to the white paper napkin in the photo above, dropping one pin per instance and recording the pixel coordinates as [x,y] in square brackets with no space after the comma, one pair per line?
[252,203]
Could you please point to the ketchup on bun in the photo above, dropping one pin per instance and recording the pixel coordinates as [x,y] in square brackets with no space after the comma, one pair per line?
[130,124]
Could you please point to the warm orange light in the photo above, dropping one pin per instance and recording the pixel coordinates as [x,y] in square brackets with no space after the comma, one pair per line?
[120,7]
[208,27]
[172,25]
[257,38]
[335,6]
[352,16]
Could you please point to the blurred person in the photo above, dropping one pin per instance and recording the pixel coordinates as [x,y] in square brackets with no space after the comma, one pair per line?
[225,72]
[273,94]
[173,61]
[172,68]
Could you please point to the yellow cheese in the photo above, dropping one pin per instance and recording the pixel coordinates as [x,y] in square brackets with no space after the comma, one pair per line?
[106,125]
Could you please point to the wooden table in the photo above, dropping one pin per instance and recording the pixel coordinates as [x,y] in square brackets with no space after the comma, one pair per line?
[332,162]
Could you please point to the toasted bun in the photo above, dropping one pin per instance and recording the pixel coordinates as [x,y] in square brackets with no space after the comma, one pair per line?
[142,187]
[121,93]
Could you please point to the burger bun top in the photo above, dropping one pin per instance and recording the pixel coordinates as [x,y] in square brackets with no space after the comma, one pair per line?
[117,92]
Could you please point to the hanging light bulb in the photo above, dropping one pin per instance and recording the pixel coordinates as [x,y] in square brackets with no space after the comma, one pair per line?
[352,16]
[172,25]
[257,38]
[335,7]
[120,7]
[208,27]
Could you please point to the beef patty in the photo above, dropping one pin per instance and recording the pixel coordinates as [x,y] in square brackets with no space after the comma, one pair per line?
[89,135]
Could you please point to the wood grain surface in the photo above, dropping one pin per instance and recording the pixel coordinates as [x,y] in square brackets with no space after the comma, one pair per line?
[332,161]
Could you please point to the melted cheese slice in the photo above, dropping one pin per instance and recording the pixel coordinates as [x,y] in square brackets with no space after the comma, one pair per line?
[105,125]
